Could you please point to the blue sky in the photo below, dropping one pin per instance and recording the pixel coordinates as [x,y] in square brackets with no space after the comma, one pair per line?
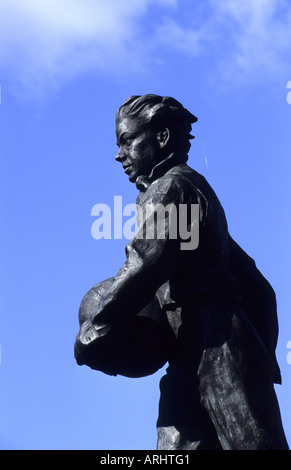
[65,68]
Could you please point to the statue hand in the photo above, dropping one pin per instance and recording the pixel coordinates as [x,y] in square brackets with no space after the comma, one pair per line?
[89,332]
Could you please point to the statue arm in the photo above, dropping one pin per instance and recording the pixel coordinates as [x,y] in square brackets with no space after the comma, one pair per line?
[150,262]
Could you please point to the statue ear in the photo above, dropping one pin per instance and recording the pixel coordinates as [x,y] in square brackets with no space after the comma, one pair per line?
[163,137]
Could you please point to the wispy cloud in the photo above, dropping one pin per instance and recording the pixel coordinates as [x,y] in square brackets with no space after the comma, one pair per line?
[44,42]
[261,35]
[241,38]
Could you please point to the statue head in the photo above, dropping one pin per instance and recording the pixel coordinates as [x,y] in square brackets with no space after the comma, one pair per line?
[148,129]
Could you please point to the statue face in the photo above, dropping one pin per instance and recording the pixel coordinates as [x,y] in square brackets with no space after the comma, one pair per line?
[139,150]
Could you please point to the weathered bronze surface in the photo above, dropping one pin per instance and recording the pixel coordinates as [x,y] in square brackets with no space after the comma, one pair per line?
[205,309]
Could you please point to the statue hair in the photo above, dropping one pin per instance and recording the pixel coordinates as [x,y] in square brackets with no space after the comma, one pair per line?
[158,112]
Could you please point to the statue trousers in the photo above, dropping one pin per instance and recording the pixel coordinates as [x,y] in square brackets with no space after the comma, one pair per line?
[218,392]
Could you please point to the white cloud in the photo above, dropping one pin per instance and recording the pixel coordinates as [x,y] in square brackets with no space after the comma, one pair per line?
[241,38]
[188,40]
[44,42]
[261,34]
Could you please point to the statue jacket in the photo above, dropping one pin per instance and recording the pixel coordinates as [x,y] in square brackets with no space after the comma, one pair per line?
[208,265]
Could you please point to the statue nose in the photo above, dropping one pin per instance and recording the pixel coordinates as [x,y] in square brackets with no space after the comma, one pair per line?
[120,156]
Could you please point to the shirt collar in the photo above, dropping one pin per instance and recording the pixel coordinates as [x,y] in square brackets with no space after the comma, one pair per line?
[143,182]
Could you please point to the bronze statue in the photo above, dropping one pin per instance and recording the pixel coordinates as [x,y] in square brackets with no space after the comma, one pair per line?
[206,310]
